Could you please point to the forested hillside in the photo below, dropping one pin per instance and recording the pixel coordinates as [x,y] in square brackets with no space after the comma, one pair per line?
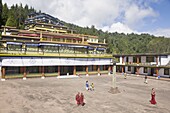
[117,43]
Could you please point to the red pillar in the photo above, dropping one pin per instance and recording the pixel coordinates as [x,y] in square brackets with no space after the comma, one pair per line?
[157,72]
[74,72]
[42,71]
[25,73]
[122,69]
[58,70]
[87,71]
[98,70]
[137,59]
[137,71]
[3,72]
[122,59]
[156,60]
[109,69]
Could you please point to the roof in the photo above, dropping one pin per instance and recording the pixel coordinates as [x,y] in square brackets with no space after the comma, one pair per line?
[142,54]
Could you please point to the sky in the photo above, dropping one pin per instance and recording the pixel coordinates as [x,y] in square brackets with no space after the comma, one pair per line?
[122,16]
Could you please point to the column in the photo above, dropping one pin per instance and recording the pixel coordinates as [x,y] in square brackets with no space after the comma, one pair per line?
[3,74]
[98,70]
[157,73]
[87,71]
[122,69]
[156,60]
[109,68]
[137,60]
[137,69]
[25,73]
[58,70]
[122,59]
[74,71]
[42,71]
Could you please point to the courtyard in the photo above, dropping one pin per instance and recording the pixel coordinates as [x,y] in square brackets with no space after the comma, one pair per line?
[53,95]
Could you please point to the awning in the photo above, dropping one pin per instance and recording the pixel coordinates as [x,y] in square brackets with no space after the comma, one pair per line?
[32,44]
[48,44]
[14,43]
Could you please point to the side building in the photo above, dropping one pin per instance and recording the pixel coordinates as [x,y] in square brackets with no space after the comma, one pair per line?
[157,65]
[51,50]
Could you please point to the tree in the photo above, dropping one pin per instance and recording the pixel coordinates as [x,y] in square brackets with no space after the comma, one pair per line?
[5,11]
[0,13]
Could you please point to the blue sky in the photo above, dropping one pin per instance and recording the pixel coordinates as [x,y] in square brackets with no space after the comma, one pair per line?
[127,16]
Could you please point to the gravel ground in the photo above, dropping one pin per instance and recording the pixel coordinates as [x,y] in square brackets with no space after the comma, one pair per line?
[52,95]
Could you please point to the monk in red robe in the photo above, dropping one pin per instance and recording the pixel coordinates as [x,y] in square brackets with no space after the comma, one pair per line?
[78,98]
[82,99]
[153,101]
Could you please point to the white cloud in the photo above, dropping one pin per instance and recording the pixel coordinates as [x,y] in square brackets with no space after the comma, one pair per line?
[135,15]
[161,32]
[112,15]
[119,27]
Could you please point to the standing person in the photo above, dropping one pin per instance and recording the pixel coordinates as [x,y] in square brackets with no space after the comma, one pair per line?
[153,101]
[87,85]
[125,75]
[82,99]
[146,79]
[78,98]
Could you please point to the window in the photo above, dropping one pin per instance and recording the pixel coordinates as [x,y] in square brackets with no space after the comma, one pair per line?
[166,71]
[145,70]
[149,59]
[129,68]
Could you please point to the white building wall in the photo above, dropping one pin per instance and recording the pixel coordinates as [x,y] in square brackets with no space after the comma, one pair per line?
[165,60]
[143,59]
[131,59]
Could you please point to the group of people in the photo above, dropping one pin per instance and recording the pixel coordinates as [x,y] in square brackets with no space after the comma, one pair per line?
[80,99]
[89,87]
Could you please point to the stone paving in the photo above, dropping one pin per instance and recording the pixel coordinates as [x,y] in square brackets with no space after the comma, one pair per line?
[52,95]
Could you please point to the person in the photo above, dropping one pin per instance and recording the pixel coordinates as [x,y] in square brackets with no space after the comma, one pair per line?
[78,98]
[87,85]
[146,79]
[153,101]
[92,87]
[125,75]
[82,99]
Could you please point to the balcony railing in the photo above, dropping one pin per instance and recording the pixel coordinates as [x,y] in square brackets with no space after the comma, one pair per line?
[41,53]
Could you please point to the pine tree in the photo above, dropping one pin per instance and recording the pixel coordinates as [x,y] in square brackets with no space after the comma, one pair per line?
[0,13]
[5,11]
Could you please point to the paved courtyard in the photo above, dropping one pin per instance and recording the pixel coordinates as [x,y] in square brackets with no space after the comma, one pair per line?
[53,95]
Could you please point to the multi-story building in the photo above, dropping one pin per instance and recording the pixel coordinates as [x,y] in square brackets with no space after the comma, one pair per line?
[144,64]
[51,50]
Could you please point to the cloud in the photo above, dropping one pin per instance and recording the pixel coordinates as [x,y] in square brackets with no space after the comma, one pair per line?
[111,15]
[119,27]
[161,32]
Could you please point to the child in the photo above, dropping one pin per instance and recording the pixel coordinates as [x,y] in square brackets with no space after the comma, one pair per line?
[87,85]
[92,87]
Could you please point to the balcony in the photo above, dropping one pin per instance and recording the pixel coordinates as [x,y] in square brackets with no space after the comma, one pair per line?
[4,52]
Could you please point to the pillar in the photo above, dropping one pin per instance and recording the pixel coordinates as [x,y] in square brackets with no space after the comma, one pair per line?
[58,70]
[122,59]
[137,59]
[109,69]
[25,73]
[3,74]
[157,73]
[137,69]
[42,71]
[122,69]
[74,71]
[87,71]
[98,70]
[156,60]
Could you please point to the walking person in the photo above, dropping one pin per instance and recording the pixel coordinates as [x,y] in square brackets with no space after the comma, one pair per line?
[153,101]
[87,85]
[146,79]
[82,99]
[78,98]
[92,87]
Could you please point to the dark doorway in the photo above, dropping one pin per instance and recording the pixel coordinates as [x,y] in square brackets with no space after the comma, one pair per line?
[66,69]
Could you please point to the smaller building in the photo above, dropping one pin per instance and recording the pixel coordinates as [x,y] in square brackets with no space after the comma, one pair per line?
[144,64]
